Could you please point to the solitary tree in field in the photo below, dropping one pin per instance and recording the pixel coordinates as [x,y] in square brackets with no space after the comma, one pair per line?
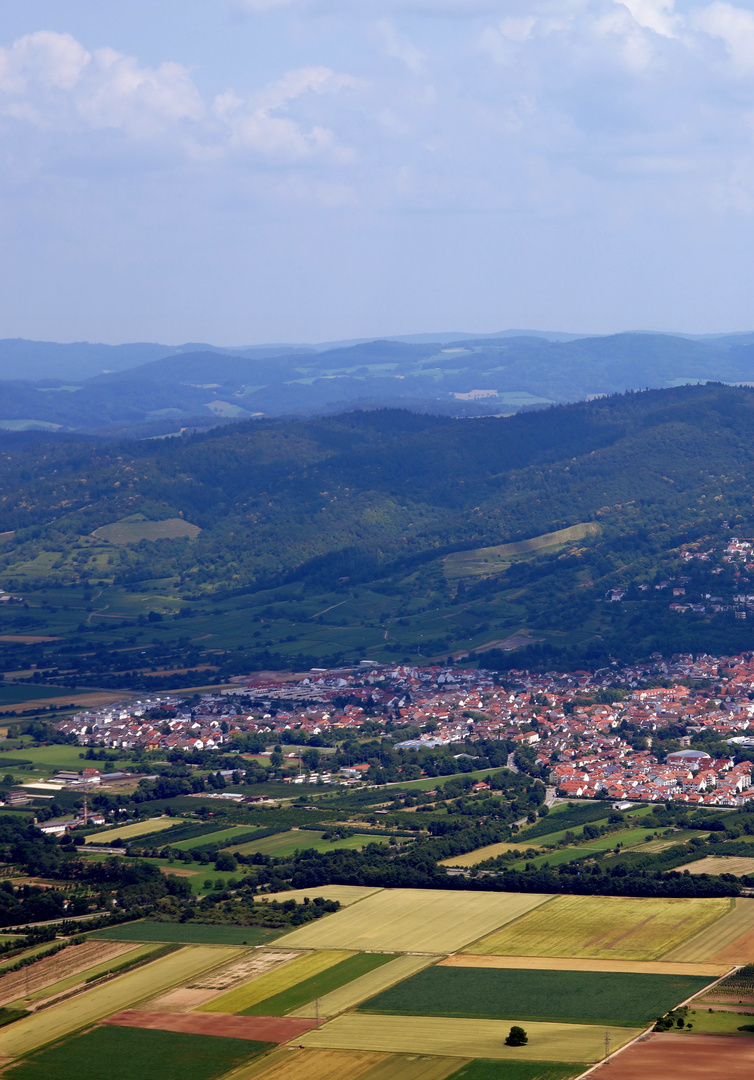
[517,1037]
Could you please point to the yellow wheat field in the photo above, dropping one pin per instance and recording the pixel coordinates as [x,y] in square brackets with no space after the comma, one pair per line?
[413,920]
[274,982]
[443,1036]
[564,963]
[120,993]
[366,986]
[722,864]
[290,1064]
[610,927]
[415,1067]
[729,939]
[491,851]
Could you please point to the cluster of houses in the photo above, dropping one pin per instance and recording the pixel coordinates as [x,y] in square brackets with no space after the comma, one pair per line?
[588,749]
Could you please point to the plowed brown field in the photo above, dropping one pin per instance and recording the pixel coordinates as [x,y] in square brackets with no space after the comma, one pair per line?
[682,1057]
[259,1028]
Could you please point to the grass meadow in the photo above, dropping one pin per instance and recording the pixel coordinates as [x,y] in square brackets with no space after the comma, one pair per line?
[464,1038]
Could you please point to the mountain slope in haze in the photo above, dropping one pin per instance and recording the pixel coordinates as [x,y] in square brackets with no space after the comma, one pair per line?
[486,375]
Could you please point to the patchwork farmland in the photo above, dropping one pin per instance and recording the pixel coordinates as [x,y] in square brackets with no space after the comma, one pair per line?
[399,984]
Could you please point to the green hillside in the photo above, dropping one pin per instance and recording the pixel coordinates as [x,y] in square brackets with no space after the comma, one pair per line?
[384,534]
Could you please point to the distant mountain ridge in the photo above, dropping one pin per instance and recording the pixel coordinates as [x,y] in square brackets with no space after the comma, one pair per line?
[151,389]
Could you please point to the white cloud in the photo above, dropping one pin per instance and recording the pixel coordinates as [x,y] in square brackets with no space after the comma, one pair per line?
[45,58]
[735,27]
[400,47]
[656,15]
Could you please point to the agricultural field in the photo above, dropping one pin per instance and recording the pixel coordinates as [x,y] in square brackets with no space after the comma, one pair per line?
[190,933]
[414,920]
[568,963]
[275,982]
[353,993]
[737,988]
[682,1057]
[729,940]
[624,928]
[316,986]
[129,832]
[217,839]
[517,1070]
[68,968]
[122,1053]
[722,864]
[450,1037]
[574,997]
[119,993]
[283,844]
[491,851]
[301,1064]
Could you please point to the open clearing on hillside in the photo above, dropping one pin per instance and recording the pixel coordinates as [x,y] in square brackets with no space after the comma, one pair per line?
[722,864]
[344,894]
[465,1038]
[414,920]
[627,928]
[189,933]
[567,963]
[127,832]
[682,1057]
[730,939]
[492,560]
[132,529]
[570,997]
[120,993]
[275,982]
[326,982]
[359,990]
[123,1053]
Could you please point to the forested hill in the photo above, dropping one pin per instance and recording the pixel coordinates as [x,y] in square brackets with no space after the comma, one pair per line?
[352,500]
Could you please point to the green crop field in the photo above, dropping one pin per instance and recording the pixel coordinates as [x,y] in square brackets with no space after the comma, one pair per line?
[221,837]
[286,843]
[718,1022]
[612,927]
[516,1070]
[365,986]
[573,997]
[415,920]
[317,985]
[121,1053]
[187,933]
[18,693]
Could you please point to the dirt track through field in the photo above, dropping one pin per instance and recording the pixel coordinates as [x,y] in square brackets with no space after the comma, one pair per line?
[682,1057]
[260,1028]
[70,961]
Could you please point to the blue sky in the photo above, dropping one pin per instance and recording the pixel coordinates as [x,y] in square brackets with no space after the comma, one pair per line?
[240,171]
